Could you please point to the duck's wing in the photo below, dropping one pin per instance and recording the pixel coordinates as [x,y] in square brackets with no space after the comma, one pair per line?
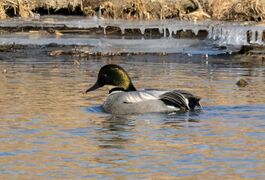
[175,98]
[137,96]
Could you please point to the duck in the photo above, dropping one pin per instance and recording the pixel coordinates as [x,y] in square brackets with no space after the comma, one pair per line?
[124,98]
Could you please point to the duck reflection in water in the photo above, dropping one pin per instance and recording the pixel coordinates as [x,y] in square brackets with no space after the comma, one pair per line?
[116,131]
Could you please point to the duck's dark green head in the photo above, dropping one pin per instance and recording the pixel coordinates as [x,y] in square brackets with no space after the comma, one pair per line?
[113,75]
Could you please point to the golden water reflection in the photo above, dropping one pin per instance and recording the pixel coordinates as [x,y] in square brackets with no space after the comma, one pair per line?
[49,129]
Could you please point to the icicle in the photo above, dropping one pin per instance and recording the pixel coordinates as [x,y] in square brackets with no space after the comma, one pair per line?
[222,33]
[160,30]
[252,38]
[175,31]
[245,36]
[195,31]
[210,33]
[224,36]
[104,30]
[122,30]
[142,29]
[259,38]
[170,32]
[214,33]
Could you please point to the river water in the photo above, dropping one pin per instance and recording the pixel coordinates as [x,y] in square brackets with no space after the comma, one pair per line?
[50,129]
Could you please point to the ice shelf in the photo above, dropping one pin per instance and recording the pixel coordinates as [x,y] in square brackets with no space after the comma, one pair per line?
[217,33]
[223,33]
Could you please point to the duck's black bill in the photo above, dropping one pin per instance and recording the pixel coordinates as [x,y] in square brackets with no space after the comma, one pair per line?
[94,87]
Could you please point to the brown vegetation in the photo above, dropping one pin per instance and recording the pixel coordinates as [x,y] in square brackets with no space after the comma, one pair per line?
[242,10]
[237,10]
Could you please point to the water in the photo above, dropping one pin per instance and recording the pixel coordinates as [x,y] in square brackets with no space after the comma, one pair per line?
[50,129]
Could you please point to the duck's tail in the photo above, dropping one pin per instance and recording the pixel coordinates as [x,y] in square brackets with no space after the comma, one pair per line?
[181,99]
[200,106]
[194,103]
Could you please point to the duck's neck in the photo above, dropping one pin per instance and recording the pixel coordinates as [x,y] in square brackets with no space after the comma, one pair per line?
[127,85]
[129,88]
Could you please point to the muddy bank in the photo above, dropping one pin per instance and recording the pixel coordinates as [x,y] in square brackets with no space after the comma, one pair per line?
[231,10]
[52,50]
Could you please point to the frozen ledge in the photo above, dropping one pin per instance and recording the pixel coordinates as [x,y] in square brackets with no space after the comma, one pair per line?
[217,33]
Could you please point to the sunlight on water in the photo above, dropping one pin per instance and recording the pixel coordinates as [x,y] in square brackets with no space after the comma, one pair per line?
[50,129]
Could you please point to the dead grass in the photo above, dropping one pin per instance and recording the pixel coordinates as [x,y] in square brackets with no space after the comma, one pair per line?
[232,10]
[2,13]
[23,9]
[240,10]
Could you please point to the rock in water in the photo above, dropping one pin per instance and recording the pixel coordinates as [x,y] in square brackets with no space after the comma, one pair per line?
[242,83]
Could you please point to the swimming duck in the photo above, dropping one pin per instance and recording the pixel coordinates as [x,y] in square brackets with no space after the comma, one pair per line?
[123,98]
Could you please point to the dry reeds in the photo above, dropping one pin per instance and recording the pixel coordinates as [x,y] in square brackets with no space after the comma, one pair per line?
[239,10]
[233,10]
[23,9]
[19,6]
[2,12]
